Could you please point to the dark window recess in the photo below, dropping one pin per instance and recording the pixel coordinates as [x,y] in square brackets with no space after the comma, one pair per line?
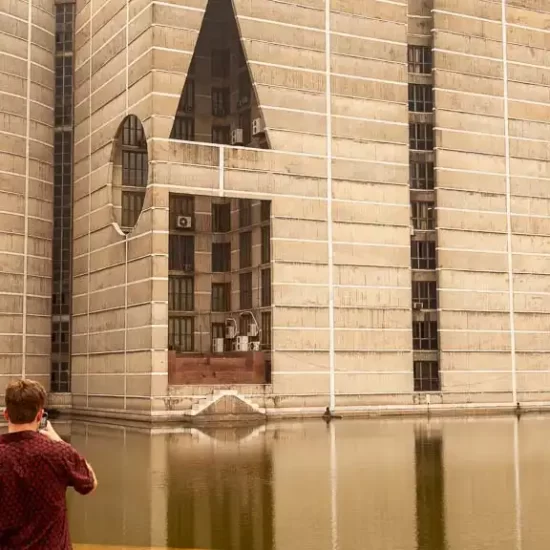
[245,88]
[221,134]
[181,205]
[181,294]
[421,175]
[184,128]
[181,334]
[134,168]
[424,293]
[244,325]
[181,254]
[420,98]
[423,255]
[63,89]
[218,331]
[266,244]
[60,376]
[60,338]
[221,63]
[132,204]
[421,136]
[64,27]
[221,297]
[423,215]
[420,59]
[245,212]
[266,287]
[265,211]
[245,290]
[245,124]
[220,102]
[221,217]
[187,100]
[426,376]
[425,335]
[266,330]
[221,257]
[245,249]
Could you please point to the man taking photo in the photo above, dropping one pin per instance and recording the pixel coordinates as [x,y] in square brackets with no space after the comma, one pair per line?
[36,467]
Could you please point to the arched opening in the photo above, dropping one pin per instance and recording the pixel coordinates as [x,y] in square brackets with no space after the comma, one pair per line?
[130,173]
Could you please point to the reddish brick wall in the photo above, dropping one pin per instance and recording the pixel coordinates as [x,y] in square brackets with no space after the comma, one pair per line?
[219,368]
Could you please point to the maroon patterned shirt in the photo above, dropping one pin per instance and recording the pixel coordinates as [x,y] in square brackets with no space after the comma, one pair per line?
[34,475]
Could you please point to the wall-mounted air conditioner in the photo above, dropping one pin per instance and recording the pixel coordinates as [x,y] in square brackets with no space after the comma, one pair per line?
[237,137]
[417,306]
[257,127]
[243,101]
[254,346]
[253,330]
[218,345]
[230,332]
[184,222]
[241,343]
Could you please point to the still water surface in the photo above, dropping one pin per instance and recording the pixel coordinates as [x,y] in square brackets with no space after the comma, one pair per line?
[453,484]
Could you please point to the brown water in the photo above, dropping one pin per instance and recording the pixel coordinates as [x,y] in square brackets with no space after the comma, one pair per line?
[456,484]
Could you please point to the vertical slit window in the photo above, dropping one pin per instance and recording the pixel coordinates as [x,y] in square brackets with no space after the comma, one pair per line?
[245,249]
[426,376]
[245,290]
[423,255]
[245,212]
[266,244]
[221,63]
[181,254]
[220,102]
[221,134]
[266,330]
[181,295]
[421,175]
[425,335]
[420,59]
[181,334]
[184,128]
[221,217]
[421,136]
[221,257]
[420,98]
[221,297]
[423,215]
[266,287]
[424,293]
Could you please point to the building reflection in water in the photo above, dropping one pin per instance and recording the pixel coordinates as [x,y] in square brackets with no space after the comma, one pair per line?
[430,498]
[447,484]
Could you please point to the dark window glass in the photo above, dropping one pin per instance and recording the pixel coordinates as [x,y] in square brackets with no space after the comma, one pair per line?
[423,255]
[132,204]
[420,59]
[266,330]
[421,136]
[181,333]
[266,287]
[181,254]
[266,244]
[265,211]
[245,123]
[221,217]
[425,335]
[420,98]
[426,376]
[187,100]
[221,134]
[245,212]
[245,290]
[60,377]
[221,257]
[180,293]
[221,297]
[181,205]
[221,63]
[245,249]
[424,293]
[245,89]
[220,102]
[423,215]
[184,128]
[421,175]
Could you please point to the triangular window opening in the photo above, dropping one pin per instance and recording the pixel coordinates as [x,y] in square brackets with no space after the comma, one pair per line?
[218,103]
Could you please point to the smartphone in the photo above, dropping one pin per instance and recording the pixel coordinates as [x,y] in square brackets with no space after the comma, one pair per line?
[44,422]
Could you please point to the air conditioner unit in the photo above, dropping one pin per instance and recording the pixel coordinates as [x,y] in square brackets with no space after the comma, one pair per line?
[254,346]
[253,330]
[230,332]
[188,108]
[417,306]
[237,137]
[184,222]
[241,343]
[218,345]
[257,126]
[412,231]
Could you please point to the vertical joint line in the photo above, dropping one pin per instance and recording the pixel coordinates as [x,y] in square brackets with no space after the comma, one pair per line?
[221,168]
[328,93]
[27,182]
[125,319]
[127,54]
[508,202]
[89,210]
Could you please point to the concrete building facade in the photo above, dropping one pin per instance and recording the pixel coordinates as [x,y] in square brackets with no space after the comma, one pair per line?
[309,204]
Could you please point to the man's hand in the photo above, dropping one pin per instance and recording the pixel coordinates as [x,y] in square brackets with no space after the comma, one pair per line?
[50,433]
